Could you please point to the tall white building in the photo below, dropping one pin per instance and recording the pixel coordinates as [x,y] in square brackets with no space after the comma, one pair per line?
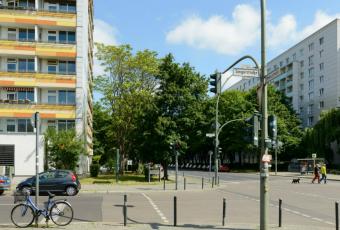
[309,73]
[46,67]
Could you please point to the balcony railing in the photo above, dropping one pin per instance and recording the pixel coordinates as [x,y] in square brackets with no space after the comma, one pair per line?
[32,8]
[42,72]
[29,102]
[41,41]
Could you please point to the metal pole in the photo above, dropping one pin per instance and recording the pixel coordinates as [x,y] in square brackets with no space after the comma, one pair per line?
[224,211]
[280,213]
[176,155]
[175,211]
[117,165]
[218,180]
[216,135]
[276,147]
[202,183]
[164,183]
[185,183]
[37,126]
[149,173]
[125,209]
[337,215]
[264,189]
[210,164]
[212,182]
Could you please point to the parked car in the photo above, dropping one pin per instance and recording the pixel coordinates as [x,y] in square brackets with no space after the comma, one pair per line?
[224,168]
[55,181]
[5,184]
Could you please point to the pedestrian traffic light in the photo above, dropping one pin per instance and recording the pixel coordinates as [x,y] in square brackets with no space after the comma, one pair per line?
[252,130]
[215,82]
[272,127]
[219,151]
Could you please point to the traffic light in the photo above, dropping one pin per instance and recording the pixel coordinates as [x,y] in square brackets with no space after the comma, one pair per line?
[215,82]
[219,151]
[272,127]
[252,130]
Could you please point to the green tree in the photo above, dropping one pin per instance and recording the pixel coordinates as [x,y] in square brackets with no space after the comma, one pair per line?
[64,148]
[127,87]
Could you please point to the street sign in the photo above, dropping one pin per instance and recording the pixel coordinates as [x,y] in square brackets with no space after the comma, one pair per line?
[129,162]
[246,72]
[210,134]
[314,155]
[266,158]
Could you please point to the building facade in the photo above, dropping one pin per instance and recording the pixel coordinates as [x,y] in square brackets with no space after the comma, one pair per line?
[45,66]
[309,73]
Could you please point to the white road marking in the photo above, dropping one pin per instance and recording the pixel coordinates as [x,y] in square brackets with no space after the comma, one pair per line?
[161,215]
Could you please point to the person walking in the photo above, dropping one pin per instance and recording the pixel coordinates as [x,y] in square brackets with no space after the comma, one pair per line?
[316,174]
[323,173]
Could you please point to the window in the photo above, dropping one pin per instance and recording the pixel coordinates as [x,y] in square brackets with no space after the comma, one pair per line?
[321,91]
[302,75]
[61,125]
[311,84]
[22,125]
[51,124]
[310,60]
[52,97]
[66,97]
[67,36]
[67,7]
[321,40]
[310,121]
[52,66]
[67,67]
[322,66]
[12,34]
[287,60]
[275,67]
[281,63]
[301,110]
[27,94]
[26,4]
[301,98]
[52,7]
[322,104]
[301,64]
[311,47]
[52,36]
[321,79]
[26,34]
[301,87]
[301,52]
[310,96]
[12,95]
[71,97]
[294,56]
[11,125]
[11,65]
[62,97]
[321,53]
[26,65]
[311,72]
[310,109]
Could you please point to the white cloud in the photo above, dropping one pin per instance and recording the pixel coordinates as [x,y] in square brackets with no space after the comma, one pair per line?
[103,33]
[218,34]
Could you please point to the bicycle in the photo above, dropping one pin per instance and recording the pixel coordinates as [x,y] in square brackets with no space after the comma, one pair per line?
[23,214]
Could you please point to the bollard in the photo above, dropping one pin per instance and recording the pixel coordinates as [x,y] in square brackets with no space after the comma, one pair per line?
[202,183]
[224,211]
[337,215]
[164,183]
[218,180]
[125,209]
[183,174]
[280,213]
[185,183]
[175,211]
[212,182]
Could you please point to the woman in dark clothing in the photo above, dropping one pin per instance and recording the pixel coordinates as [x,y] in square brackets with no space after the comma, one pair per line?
[316,174]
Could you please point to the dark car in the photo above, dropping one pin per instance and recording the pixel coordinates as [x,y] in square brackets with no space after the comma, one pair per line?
[55,181]
[224,168]
[5,184]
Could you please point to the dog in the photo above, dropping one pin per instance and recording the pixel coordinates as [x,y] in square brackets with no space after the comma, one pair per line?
[296,181]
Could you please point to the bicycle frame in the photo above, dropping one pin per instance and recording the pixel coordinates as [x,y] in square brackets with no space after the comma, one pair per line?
[35,207]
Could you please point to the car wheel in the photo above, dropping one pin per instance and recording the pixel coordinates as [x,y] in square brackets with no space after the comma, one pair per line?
[71,191]
[1,192]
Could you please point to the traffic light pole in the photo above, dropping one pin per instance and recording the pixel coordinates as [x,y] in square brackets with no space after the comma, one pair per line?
[264,174]
[216,139]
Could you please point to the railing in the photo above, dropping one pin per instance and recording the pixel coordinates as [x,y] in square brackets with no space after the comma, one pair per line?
[32,8]
[42,72]
[40,41]
[29,102]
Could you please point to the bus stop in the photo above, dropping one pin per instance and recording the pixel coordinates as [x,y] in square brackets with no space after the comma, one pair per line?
[304,165]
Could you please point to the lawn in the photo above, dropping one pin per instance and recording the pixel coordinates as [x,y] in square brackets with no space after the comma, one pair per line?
[127,179]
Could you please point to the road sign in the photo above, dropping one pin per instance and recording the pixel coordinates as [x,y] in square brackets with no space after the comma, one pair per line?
[314,155]
[129,162]
[246,72]
[210,134]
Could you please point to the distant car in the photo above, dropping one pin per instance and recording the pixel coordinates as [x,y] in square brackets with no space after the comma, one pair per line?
[5,184]
[224,168]
[55,181]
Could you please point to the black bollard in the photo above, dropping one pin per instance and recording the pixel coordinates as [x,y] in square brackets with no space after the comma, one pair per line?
[336,215]
[212,182]
[185,183]
[202,183]
[280,213]
[125,209]
[224,211]
[164,183]
[175,211]
[218,180]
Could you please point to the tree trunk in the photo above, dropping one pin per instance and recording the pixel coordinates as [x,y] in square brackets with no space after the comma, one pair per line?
[165,168]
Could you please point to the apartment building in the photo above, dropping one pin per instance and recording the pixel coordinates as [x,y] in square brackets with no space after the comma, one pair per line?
[45,66]
[309,73]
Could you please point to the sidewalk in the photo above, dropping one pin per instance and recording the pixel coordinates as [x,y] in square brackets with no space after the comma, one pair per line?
[330,177]
[107,226]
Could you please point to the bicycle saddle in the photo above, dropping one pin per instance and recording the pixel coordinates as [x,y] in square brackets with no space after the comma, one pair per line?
[50,195]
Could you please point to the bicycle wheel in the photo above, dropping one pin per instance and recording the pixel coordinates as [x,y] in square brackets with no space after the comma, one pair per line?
[61,213]
[22,215]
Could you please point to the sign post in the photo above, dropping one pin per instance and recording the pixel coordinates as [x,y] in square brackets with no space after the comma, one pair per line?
[36,121]
[314,156]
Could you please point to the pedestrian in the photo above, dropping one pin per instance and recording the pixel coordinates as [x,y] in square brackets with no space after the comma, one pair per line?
[316,174]
[323,173]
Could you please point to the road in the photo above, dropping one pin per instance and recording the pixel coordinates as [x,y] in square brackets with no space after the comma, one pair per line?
[304,204]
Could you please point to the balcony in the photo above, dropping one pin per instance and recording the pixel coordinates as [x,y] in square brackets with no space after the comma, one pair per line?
[17,110]
[30,16]
[40,49]
[37,79]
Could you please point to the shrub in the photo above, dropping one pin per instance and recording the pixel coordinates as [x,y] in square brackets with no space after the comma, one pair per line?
[94,170]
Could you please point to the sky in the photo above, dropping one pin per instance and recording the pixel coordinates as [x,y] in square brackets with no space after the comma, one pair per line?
[210,35]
